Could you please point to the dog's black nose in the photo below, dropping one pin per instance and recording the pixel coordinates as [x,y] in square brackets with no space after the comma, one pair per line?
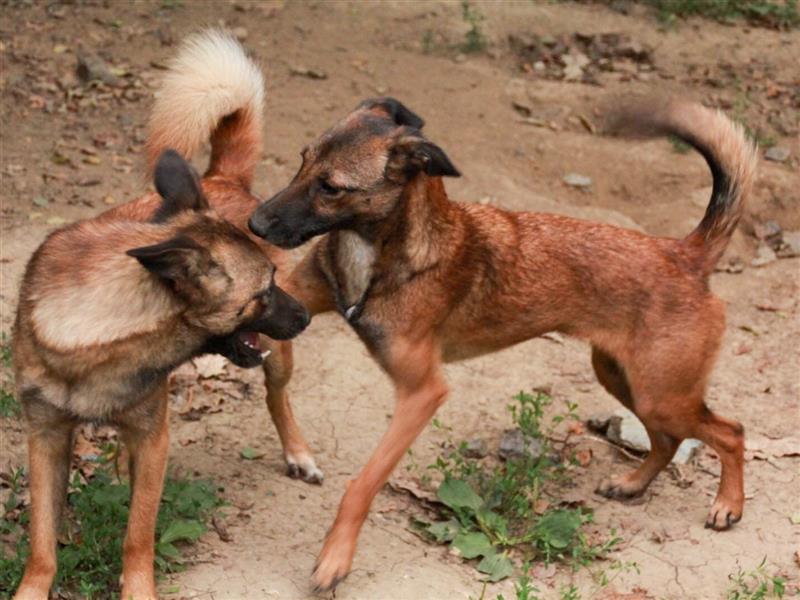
[256,225]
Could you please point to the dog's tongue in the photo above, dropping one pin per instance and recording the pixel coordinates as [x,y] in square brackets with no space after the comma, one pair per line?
[250,339]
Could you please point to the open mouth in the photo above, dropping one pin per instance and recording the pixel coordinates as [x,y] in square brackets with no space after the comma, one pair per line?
[249,345]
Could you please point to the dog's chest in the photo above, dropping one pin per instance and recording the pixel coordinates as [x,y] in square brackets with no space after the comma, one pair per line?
[353,268]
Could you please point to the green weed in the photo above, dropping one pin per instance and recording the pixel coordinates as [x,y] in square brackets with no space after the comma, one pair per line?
[496,513]
[90,552]
[756,584]
[781,14]
[9,407]
[474,39]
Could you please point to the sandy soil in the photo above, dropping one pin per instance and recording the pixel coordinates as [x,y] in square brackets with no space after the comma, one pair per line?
[70,151]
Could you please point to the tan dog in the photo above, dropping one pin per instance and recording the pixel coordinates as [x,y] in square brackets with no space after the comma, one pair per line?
[109,306]
[424,280]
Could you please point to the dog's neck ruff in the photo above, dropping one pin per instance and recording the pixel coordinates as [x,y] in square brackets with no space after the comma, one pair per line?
[101,296]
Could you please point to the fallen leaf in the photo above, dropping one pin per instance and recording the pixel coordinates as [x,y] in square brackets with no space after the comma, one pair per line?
[249,453]
[210,365]
[584,457]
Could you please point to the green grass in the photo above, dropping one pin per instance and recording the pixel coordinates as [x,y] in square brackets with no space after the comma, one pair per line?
[90,552]
[474,39]
[756,584]
[9,407]
[783,14]
[498,516]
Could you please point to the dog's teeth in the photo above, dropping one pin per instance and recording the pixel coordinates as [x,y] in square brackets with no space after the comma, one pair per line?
[265,354]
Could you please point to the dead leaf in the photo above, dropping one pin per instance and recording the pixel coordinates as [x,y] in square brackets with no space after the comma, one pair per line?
[219,526]
[584,457]
[210,365]
[540,506]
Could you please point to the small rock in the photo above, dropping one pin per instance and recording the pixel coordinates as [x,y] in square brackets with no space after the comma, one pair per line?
[460,58]
[790,245]
[517,92]
[777,153]
[734,265]
[599,422]
[625,429]
[240,33]
[770,233]
[475,449]
[513,445]
[764,256]
[93,69]
[306,72]
[577,180]
[41,201]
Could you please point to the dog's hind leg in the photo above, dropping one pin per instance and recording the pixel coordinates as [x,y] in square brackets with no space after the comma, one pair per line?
[278,371]
[50,451]
[146,436]
[662,445]
[726,437]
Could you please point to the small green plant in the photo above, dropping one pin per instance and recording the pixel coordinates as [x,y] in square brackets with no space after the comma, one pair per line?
[474,39]
[781,14]
[90,553]
[494,513]
[756,584]
[9,407]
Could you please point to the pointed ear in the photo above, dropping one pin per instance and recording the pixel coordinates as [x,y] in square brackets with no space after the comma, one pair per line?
[412,154]
[178,184]
[395,110]
[180,262]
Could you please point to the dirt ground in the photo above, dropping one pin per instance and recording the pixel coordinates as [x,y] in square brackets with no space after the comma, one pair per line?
[70,151]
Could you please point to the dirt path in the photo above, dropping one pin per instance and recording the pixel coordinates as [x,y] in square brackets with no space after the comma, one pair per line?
[69,152]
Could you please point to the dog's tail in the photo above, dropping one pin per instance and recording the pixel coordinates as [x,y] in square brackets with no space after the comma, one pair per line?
[731,157]
[212,90]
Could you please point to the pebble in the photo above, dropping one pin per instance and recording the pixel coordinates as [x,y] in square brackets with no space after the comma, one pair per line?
[790,246]
[512,445]
[577,180]
[625,429]
[777,153]
[476,448]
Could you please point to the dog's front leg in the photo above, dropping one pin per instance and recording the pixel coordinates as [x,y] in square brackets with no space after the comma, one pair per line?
[278,370]
[420,388]
[147,439]
[49,450]
[307,284]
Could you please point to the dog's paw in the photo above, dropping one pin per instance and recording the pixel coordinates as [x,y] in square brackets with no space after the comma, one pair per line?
[302,466]
[620,487]
[723,515]
[334,562]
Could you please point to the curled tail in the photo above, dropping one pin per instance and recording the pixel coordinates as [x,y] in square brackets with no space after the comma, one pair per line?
[212,91]
[731,157]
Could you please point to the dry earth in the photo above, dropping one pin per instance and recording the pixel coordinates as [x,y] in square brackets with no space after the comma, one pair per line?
[70,150]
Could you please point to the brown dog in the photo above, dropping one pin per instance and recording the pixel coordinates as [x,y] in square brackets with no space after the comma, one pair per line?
[425,280]
[110,305]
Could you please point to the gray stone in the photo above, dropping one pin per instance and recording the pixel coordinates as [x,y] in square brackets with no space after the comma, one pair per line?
[790,245]
[476,448]
[777,154]
[513,445]
[626,430]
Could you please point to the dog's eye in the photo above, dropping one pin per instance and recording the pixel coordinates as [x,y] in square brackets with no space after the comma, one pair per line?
[329,190]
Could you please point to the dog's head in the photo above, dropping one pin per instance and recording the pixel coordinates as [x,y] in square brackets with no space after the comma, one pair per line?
[222,276]
[355,173]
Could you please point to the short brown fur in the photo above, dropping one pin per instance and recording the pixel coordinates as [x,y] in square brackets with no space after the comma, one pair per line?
[424,280]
